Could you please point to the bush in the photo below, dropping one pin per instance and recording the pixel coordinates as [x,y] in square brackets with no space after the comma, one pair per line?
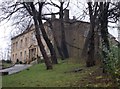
[113,64]
[33,58]
[25,62]
[40,60]
[8,61]
[20,62]
[3,61]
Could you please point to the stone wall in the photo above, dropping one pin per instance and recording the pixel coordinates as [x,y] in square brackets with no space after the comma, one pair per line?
[75,36]
[23,45]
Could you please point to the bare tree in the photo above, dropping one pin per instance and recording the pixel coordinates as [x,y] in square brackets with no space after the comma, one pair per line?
[50,25]
[29,8]
[91,46]
[34,13]
[38,15]
[103,22]
[62,28]
[100,14]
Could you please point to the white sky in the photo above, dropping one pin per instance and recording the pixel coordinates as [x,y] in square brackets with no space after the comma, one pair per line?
[6,29]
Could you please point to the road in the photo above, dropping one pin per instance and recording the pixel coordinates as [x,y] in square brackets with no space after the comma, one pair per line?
[16,68]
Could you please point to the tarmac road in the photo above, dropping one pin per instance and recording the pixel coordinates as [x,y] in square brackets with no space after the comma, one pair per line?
[16,68]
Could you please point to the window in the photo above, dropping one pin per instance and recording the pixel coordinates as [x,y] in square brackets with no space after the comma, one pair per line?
[16,56]
[16,45]
[21,43]
[25,55]
[86,33]
[25,41]
[13,46]
[21,56]
[13,57]
[33,37]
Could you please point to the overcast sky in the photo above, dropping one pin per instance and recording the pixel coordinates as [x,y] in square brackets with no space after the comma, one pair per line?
[6,30]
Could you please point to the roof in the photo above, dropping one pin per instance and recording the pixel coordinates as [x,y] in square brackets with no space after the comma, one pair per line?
[71,21]
[24,32]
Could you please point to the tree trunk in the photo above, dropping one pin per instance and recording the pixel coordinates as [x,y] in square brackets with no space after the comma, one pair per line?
[47,40]
[59,49]
[91,50]
[45,56]
[56,42]
[41,46]
[91,46]
[118,51]
[104,33]
[86,43]
[49,44]
[38,37]
[63,39]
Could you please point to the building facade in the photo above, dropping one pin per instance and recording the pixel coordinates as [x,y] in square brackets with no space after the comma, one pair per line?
[75,32]
[25,47]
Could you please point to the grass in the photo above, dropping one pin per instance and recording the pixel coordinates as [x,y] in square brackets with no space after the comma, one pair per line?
[60,76]
[6,65]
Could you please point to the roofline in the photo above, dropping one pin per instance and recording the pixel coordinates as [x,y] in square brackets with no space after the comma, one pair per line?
[74,21]
[24,32]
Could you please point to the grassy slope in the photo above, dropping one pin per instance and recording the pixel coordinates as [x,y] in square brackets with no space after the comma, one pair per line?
[38,76]
[6,65]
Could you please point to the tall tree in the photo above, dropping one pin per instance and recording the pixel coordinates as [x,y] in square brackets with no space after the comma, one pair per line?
[90,60]
[27,9]
[45,36]
[49,44]
[103,20]
[33,12]
[63,44]
[62,28]
[51,22]
[89,46]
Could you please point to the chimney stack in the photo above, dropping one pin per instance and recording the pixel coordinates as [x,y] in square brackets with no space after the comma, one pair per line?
[66,15]
[53,17]
[74,18]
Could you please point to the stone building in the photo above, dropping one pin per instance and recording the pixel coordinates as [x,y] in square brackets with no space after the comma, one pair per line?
[24,46]
[75,31]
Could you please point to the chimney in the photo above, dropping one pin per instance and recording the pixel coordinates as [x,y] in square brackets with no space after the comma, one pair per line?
[53,17]
[74,18]
[66,15]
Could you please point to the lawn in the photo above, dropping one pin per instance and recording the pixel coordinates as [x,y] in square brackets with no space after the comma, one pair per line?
[5,65]
[61,76]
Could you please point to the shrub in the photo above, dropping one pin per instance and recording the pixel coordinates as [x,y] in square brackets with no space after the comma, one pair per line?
[20,62]
[3,61]
[40,60]
[8,61]
[113,64]
[33,58]
[25,62]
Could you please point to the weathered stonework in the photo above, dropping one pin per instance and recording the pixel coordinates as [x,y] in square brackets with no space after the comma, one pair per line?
[25,47]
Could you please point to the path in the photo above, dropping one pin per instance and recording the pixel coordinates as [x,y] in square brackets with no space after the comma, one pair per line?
[15,69]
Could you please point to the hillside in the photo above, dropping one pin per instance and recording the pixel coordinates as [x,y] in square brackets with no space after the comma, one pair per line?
[65,74]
